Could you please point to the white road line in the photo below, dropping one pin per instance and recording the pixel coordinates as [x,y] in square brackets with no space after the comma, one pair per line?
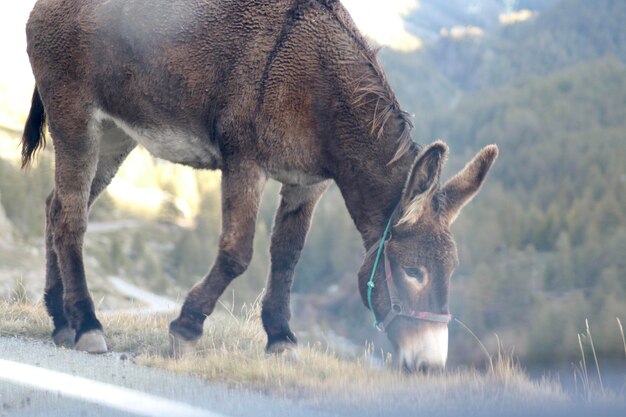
[95,392]
[155,303]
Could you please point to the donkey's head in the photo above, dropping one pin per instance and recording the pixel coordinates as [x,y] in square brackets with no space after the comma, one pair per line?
[408,290]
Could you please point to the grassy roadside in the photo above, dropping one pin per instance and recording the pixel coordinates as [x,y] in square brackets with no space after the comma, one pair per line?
[231,352]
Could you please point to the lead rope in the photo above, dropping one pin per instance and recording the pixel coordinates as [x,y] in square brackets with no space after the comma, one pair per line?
[370,283]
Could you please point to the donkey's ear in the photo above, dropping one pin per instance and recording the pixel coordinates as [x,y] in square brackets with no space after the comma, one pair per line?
[422,181]
[460,189]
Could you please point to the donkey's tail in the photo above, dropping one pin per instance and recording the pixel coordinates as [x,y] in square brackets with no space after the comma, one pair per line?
[34,131]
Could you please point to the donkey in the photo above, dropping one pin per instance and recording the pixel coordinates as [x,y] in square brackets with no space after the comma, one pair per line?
[282,89]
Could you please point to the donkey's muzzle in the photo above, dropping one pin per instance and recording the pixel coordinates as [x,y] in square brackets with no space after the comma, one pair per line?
[423,348]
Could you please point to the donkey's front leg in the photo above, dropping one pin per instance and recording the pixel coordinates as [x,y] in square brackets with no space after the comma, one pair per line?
[291,226]
[242,186]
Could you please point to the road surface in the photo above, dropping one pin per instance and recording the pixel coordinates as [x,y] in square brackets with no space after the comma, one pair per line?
[187,393]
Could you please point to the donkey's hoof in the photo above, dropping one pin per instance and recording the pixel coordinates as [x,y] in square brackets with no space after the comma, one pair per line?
[64,337]
[285,350]
[92,342]
[180,347]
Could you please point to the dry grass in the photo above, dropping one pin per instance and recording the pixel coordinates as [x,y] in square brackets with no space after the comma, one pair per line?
[592,390]
[231,352]
[621,331]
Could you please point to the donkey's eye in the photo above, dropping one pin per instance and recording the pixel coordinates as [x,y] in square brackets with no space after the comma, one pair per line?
[416,273]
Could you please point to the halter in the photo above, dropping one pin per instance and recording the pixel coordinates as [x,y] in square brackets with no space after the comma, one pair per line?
[397,305]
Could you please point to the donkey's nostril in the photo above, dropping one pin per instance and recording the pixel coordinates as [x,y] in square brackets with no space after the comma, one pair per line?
[423,368]
[430,369]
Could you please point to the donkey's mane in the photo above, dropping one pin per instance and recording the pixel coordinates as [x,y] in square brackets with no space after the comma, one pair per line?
[373,86]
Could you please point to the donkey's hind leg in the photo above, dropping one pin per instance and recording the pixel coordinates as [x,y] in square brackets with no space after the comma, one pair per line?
[242,186]
[76,149]
[115,146]
[63,334]
[291,226]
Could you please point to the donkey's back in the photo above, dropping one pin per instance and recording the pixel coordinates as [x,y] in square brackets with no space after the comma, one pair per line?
[170,74]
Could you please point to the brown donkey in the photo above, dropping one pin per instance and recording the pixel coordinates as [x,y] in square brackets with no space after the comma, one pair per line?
[283,89]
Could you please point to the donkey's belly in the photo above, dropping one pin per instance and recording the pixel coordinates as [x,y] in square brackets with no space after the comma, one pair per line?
[172,144]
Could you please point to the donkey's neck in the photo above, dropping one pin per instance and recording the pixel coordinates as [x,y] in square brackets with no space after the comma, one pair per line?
[373,158]
[373,190]
[371,146]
